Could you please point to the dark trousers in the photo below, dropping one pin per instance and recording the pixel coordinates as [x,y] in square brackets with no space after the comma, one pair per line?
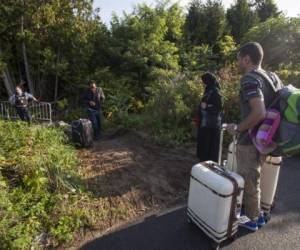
[23,113]
[95,118]
[208,143]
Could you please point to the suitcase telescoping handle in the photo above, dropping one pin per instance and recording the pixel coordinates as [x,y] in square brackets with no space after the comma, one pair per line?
[221,145]
[223,128]
[236,189]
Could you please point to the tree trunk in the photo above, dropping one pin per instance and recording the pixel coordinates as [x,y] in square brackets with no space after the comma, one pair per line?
[56,77]
[20,79]
[7,80]
[29,81]
[38,88]
[56,87]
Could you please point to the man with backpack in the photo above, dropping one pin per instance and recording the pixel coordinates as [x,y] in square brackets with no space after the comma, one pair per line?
[257,92]
[20,100]
[94,98]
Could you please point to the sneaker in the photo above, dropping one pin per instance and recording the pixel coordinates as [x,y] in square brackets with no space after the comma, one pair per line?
[261,220]
[251,225]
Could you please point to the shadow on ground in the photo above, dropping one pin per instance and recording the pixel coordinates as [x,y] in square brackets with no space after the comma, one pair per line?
[171,230]
[167,231]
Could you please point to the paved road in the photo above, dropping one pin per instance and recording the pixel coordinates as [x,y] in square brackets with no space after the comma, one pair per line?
[171,231]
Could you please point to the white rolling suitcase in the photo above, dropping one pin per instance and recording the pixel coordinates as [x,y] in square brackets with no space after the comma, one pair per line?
[269,177]
[215,200]
[268,182]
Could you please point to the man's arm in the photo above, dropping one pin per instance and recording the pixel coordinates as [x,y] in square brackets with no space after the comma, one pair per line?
[257,114]
[30,97]
[251,92]
[102,96]
[33,98]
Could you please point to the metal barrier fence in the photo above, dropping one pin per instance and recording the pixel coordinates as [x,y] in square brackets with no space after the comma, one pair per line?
[39,111]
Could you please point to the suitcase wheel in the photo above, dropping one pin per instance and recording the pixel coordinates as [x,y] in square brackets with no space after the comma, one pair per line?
[267,217]
[189,220]
[232,238]
[215,246]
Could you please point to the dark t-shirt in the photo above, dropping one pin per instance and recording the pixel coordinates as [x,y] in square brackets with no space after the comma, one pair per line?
[254,85]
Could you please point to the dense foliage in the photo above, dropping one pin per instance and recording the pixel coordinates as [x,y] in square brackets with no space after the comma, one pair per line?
[38,187]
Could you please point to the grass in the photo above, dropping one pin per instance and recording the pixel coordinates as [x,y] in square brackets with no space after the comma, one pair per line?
[39,187]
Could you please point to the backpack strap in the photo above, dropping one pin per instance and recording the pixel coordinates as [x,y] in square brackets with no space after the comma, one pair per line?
[267,77]
[270,78]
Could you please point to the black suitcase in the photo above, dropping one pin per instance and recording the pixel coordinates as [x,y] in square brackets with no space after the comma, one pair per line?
[82,133]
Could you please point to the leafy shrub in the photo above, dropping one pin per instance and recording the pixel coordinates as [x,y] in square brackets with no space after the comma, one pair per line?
[290,74]
[230,87]
[38,186]
[171,109]
[172,106]
[280,39]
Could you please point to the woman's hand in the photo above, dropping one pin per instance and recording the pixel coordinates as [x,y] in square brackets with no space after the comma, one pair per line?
[203,105]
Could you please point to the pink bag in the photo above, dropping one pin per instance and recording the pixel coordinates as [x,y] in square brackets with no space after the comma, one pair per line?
[263,134]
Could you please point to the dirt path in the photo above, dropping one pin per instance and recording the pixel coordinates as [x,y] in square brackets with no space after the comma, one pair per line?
[128,177]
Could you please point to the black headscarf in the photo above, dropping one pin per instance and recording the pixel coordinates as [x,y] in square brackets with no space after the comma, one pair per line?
[210,81]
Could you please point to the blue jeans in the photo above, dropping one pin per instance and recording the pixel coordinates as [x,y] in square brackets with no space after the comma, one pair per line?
[95,118]
[23,114]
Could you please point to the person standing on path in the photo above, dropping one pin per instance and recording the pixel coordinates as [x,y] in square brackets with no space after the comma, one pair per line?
[94,98]
[255,95]
[210,119]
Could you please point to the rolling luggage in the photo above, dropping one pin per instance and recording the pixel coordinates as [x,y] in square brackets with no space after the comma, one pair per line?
[269,177]
[82,133]
[268,182]
[215,200]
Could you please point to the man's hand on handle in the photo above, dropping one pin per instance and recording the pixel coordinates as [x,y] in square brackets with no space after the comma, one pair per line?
[232,128]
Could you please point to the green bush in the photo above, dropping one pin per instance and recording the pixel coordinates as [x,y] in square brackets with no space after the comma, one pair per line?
[230,87]
[171,109]
[168,115]
[290,74]
[38,186]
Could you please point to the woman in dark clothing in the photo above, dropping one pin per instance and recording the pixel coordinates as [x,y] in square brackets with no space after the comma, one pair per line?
[210,119]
